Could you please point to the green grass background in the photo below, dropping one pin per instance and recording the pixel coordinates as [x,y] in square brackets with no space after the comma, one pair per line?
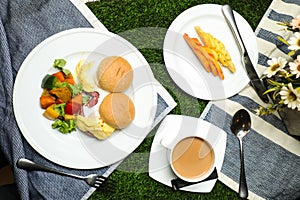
[128,18]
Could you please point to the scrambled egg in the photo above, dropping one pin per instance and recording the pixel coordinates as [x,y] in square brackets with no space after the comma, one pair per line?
[96,126]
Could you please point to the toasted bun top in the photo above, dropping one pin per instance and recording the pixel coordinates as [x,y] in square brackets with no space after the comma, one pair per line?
[115,74]
[117,110]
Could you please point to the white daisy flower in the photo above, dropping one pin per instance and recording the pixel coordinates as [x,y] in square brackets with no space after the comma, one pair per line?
[298,94]
[275,65]
[295,67]
[290,96]
[294,42]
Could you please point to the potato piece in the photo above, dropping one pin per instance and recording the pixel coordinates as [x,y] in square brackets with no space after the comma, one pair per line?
[203,36]
[201,54]
[213,66]
[219,69]
[230,66]
[51,113]
[205,55]
[211,52]
[216,68]
[62,93]
[216,45]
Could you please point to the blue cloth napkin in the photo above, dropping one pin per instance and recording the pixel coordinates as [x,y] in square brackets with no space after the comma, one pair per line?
[23,25]
[272,155]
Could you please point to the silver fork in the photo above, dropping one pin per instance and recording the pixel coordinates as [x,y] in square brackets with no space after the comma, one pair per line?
[93,180]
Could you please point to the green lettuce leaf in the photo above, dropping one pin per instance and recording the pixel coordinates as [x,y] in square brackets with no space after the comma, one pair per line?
[64,126]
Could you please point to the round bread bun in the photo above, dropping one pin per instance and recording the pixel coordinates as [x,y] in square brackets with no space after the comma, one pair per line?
[117,110]
[115,74]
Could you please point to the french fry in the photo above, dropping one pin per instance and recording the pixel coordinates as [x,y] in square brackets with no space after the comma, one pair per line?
[213,66]
[214,44]
[203,37]
[196,46]
[211,52]
[206,57]
[230,66]
[214,55]
[218,68]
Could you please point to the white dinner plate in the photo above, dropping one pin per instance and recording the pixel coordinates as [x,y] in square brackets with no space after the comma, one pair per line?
[184,67]
[172,130]
[78,150]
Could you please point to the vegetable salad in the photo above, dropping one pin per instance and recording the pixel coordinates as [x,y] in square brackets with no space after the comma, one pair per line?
[62,98]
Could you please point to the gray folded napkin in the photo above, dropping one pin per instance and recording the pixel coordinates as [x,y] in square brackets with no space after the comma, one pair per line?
[272,155]
[23,25]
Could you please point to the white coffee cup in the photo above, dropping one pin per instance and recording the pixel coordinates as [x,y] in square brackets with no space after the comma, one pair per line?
[192,159]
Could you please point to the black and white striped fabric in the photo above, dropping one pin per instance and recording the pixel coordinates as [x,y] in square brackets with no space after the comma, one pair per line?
[272,156]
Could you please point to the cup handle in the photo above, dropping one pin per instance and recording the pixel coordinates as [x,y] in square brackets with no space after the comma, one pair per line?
[169,142]
[164,143]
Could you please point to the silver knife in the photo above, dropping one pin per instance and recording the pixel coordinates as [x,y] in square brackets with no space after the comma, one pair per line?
[255,82]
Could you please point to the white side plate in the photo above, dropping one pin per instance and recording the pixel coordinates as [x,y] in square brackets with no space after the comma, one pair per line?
[184,67]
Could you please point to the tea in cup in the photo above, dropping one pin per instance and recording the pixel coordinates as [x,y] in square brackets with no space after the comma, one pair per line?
[192,159]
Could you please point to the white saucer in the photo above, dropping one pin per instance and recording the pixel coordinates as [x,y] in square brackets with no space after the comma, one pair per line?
[174,128]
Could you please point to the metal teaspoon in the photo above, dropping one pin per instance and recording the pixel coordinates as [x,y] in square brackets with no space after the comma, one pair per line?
[240,126]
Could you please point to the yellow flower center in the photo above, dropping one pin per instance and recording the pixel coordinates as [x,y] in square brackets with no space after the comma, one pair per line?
[298,42]
[275,67]
[292,97]
[298,67]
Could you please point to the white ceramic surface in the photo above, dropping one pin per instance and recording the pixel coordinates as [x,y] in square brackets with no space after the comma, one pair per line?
[77,150]
[184,67]
[172,130]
